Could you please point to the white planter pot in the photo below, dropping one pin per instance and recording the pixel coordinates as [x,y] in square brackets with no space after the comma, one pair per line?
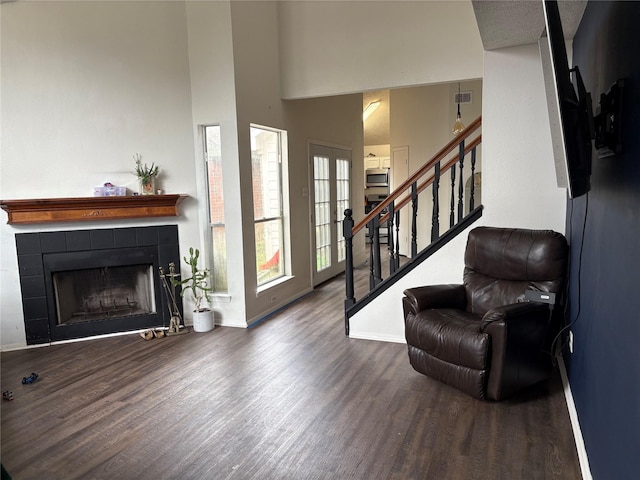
[203,321]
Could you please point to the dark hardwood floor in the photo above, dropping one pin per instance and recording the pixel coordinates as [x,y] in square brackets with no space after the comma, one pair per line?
[292,398]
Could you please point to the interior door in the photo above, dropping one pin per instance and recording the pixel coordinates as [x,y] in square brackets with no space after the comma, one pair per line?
[331,194]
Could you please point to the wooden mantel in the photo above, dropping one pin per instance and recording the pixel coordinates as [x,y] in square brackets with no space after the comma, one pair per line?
[48,210]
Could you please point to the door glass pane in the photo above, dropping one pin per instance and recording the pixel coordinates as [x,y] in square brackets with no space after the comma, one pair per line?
[322,212]
[342,202]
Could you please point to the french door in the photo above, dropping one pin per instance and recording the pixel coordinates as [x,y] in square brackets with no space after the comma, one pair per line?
[331,196]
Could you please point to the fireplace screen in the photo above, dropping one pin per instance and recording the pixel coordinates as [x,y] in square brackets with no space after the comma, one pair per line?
[100,293]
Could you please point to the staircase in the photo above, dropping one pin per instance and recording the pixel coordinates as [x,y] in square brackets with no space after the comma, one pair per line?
[445,175]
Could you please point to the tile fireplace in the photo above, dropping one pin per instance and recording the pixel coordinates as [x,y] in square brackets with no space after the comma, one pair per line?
[82,283]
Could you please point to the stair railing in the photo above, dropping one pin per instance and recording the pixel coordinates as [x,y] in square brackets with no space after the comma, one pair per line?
[430,174]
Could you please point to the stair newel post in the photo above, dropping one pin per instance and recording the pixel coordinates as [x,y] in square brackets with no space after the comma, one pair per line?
[414,216]
[452,212]
[390,236]
[473,182]
[347,232]
[461,183]
[397,257]
[435,215]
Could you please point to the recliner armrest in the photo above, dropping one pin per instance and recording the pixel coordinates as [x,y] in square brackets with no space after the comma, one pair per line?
[434,296]
[519,354]
[521,310]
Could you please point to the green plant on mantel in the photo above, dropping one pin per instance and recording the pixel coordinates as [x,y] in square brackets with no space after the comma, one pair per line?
[145,173]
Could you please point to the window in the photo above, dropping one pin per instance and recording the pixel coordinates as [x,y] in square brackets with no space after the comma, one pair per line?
[266,164]
[213,161]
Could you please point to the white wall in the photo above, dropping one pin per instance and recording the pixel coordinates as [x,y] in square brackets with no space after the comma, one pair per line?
[213,97]
[420,118]
[84,86]
[258,68]
[258,98]
[330,47]
[518,182]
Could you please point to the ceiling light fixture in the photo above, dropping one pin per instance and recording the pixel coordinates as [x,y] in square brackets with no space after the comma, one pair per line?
[458,126]
[370,109]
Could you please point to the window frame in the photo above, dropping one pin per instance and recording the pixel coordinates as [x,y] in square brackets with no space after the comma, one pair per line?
[211,247]
[283,226]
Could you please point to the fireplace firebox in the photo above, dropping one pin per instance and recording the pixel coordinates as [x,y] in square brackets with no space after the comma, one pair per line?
[83,283]
[95,294]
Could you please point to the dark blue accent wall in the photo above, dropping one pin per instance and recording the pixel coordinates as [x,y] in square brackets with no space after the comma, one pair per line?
[604,231]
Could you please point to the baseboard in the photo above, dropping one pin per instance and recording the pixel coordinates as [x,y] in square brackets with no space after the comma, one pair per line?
[255,321]
[231,324]
[377,337]
[12,347]
[575,424]
[9,348]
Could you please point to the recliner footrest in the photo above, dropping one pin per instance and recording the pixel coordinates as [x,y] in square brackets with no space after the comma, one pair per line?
[468,380]
[454,336]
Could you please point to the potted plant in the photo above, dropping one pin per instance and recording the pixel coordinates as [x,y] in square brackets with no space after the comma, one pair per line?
[196,284]
[146,176]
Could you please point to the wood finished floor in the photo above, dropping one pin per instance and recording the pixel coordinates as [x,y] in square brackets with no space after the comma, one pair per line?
[290,399]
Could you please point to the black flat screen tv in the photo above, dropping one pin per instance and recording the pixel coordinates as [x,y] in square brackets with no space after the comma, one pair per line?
[570,110]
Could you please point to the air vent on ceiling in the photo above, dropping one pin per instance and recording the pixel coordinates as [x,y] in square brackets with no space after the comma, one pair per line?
[463,97]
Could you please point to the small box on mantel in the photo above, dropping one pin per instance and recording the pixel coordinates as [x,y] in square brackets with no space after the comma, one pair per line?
[109,190]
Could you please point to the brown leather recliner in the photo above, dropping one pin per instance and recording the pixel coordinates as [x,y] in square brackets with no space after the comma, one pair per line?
[484,337]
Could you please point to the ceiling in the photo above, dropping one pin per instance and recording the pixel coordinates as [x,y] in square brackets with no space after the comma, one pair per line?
[510,23]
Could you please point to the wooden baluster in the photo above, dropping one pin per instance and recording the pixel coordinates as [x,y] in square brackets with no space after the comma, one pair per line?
[392,263]
[452,213]
[473,182]
[376,278]
[347,232]
[371,261]
[414,216]
[461,183]
[435,215]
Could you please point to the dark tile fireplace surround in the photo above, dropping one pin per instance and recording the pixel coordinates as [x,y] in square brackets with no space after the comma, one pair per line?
[43,255]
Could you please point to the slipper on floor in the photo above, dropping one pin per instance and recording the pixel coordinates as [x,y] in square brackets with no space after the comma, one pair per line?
[30,379]
[147,334]
[159,333]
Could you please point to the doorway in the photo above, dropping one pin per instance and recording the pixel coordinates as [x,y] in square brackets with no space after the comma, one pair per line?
[331,193]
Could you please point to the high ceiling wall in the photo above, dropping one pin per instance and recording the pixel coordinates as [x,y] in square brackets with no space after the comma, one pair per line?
[331,48]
